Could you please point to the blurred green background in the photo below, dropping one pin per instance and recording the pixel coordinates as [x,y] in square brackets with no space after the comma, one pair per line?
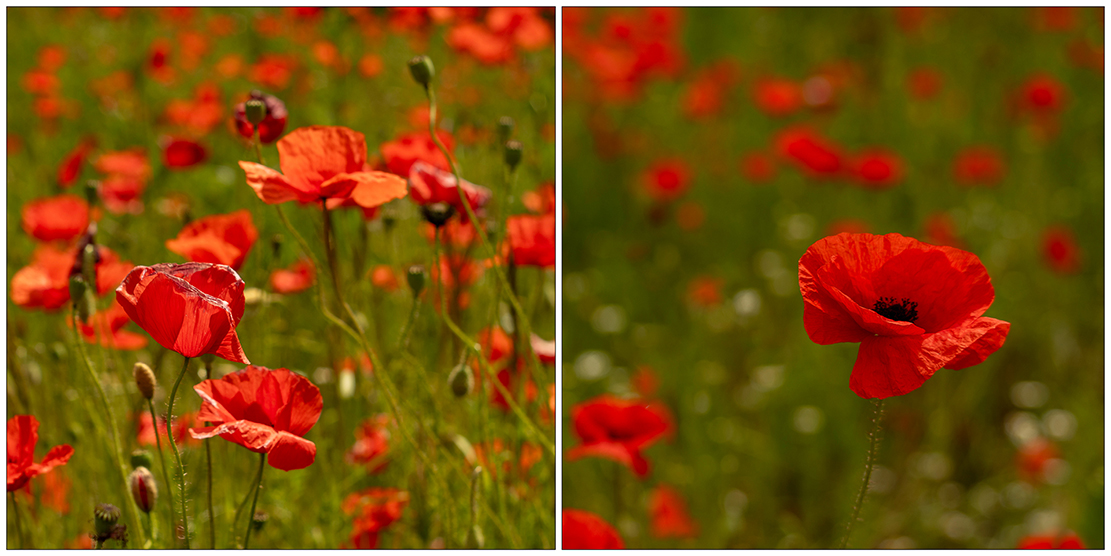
[770,439]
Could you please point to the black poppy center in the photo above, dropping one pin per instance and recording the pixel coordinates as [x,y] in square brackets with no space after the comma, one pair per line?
[904,310]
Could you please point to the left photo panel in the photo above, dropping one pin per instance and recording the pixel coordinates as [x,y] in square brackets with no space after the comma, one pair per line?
[281,278]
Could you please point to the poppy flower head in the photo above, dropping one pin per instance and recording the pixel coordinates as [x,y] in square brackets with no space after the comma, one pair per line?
[23,434]
[374,509]
[877,169]
[271,126]
[60,218]
[45,282]
[1042,94]
[263,410]
[914,307]
[813,153]
[221,238]
[584,530]
[670,517]
[532,240]
[429,185]
[298,277]
[758,167]
[190,308]
[778,97]
[401,153]
[978,166]
[618,429]
[371,444]
[1059,541]
[70,168]
[542,200]
[666,180]
[1060,250]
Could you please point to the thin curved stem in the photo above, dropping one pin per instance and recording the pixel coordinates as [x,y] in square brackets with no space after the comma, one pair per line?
[162,460]
[177,455]
[18,522]
[243,504]
[254,503]
[869,463]
[211,515]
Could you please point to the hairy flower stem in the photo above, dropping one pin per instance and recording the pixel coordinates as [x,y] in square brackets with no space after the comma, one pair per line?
[18,522]
[162,460]
[242,505]
[177,455]
[869,463]
[254,503]
[211,515]
[258,147]
[117,452]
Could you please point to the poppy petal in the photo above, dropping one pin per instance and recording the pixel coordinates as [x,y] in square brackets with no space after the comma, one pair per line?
[374,189]
[315,154]
[893,365]
[832,277]
[990,334]
[253,436]
[272,187]
[825,319]
[290,452]
[57,455]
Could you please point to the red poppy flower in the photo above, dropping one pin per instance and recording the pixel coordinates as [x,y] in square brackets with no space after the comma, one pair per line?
[428,184]
[645,381]
[199,114]
[384,278]
[666,179]
[778,97]
[371,444]
[273,71]
[670,517]
[532,240]
[705,291]
[1060,250]
[265,411]
[1033,457]
[1060,541]
[23,434]
[375,509]
[978,166]
[63,218]
[542,200]
[496,343]
[122,194]
[271,127]
[618,429]
[132,163]
[877,169]
[705,95]
[190,308]
[924,83]
[70,168]
[479,42]
[296,278]
[584,530]
[45,282]
[401,153]
[530,455]
[319,163]
[107,326]
[457,233]
[914,307]
[221,238]
[525,26]
[758,167]
[1042,94]
[182,422]
[510,379]
[810,151]
[182,153]
[545,350]
[370,65]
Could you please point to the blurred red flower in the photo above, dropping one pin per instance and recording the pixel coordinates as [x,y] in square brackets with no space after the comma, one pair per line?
[758,167]
[375,509]
[182,153]
[59,218]
[1042,94]
[707,91]
[1060,18]
[542,200]
[265,411]
[978,166]
[584,530]
[45,282]
[370,65]
[670,517]
[877,169]
[645,381]
[321,163]
[532,239]
[271,126]
[1060,541]
[810,151]
[221,238]
[70,168]
[618,429]
[777,97]
[23,434]
[705,291]
[510,379]
[200,114]
[383,277]
[131,163]
[52,57]
[524,26]
[457,233]
[924,83]
[914,307]
[182,422]
[122,194]
[41,82]
[273,71]
[372,444]
[107,326]
[428,184]
[190,308]
[298,277]
[403,152]
[1033,458]
[1060,250]
[667,179]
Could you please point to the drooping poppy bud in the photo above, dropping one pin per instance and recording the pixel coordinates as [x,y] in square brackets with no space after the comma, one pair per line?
[143,489]
[422,69]
[461,380]
[512,154]
[144,380]
[437,214]
[415,276]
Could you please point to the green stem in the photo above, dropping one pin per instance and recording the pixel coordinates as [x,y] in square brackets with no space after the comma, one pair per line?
[243,504]
[254,502]
[403,341]
[258,146]
[162,460]
[18,522]
[869,463]
[177,455]
[211,515]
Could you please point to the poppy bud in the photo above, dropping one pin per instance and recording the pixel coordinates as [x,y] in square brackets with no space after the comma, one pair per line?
[415,275]
[76,287]
[276,245]
[89,258]
[422,70]
[140,458]
[437,213]
[92,191]
[461,380]
[260,518]
[143,489]
[513,154]
[144,379]
[255,110]
[106,516]
[505,128]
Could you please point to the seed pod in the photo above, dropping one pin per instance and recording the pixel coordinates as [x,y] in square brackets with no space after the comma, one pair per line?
[144,380]
[260,518]
[255,111]
[105,518]
[437,213]
[415,276]
[143,488]
[140,458]
[422,69]
[461,380]
[505,128]
[512,154]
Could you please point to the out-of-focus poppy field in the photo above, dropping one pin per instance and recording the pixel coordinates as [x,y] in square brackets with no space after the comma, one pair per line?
[242,218]
[748,192]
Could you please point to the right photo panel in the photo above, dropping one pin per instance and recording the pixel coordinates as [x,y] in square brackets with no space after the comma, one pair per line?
[833,278]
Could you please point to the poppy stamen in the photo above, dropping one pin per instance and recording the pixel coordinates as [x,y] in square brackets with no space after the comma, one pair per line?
[905,311]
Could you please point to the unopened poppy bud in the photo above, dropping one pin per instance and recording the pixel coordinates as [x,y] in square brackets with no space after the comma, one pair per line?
[76,287]
[422,69]
[461,380]
[260,518]
[505,128]
[512,154]
[143,489]
[92,191]
[140,458]
[256,111]
[437,213]
[276,245]
[144,380]
[415,275]
[106,516]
